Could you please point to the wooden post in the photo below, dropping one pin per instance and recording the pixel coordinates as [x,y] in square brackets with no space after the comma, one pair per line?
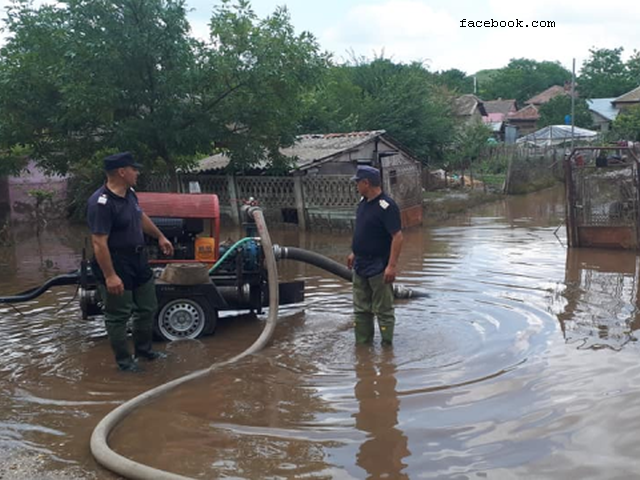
[233,199]
[299,194]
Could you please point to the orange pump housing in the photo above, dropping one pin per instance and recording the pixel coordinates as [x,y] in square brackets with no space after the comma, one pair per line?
[187,205]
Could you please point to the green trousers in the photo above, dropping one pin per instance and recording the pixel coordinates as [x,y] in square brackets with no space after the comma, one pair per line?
[372,297]
[140,305]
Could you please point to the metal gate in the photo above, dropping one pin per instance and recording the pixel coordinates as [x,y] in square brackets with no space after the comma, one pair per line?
[602,198]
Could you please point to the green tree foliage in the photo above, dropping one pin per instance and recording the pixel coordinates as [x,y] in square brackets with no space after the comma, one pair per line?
[522,78]
[455,81]
[402,99]
[468,144]
[554,111]
[91,75]
[626,126]
[605,75]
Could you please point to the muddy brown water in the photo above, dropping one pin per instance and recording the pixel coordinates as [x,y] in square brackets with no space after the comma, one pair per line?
[523,363]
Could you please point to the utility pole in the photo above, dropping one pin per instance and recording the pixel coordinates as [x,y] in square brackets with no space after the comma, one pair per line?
[573,100]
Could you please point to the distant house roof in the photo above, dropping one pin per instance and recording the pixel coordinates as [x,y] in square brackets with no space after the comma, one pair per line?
[530,112]
[494,117]
[308,150]
[466,105]
[630,97]
[500,106]
[548,94]
[603,107]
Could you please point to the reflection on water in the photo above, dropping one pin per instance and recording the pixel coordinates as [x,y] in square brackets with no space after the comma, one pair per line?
[381,453]
[601,292]
[500,373]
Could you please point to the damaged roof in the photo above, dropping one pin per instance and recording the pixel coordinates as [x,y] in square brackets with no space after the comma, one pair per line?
[308,149]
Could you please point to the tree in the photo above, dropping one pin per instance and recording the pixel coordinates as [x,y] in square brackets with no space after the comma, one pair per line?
[522,78]
[86,76]
[555,110]
[604,74]
[455,80]
[379,94]
[468,145]
[626,126]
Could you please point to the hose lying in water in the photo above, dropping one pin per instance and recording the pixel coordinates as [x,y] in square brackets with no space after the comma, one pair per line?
[72,278]
[137,471]
[338,269]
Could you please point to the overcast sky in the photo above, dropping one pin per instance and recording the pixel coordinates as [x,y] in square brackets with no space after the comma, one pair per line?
[430,31]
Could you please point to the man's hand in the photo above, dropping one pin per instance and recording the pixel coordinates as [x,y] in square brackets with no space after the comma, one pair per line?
[114,285]
[165,246]
[350,260]
[389,274]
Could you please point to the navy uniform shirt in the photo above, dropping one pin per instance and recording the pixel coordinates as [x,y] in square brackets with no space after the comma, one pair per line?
[376,223]
[116,216]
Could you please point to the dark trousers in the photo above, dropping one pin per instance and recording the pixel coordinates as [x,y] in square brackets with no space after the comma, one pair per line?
[139,305]
[372,297]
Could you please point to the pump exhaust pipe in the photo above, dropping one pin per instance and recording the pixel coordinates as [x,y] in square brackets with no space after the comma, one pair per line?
[338,269]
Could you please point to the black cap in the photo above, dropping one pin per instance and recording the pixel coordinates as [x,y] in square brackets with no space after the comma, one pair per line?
[367,173]
[120,160]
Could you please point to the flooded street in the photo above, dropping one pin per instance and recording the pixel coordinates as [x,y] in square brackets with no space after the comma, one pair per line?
[522,363]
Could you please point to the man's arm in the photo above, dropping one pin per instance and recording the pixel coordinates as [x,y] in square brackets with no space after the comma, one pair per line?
[101,251]
[396,246]
[150,229]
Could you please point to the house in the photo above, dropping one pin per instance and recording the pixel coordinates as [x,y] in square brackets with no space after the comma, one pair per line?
[627,100]
[499,110]
[525,119]
[469,108]
[603,112]
[318,186]
[16,194]
[551,92]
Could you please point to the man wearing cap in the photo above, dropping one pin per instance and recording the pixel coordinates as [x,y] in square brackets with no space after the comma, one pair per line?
[376,245]
[120,263]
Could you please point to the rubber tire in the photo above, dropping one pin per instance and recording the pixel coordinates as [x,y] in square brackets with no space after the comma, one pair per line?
[210,315]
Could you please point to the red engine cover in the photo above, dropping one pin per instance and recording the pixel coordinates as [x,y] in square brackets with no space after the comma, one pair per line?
[183,205]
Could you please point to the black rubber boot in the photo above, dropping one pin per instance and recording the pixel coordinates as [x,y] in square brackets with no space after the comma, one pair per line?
[129,365]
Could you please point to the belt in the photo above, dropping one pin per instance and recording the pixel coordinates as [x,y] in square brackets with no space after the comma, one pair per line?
[133,250]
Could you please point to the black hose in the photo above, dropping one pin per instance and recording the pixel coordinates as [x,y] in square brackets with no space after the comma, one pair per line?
[317,260]
[338,269]
[72,278]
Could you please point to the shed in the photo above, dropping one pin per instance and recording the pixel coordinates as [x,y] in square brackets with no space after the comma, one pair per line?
[318,187]
[603,112]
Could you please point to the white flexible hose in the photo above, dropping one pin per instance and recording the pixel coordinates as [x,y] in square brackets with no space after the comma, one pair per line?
[138,471]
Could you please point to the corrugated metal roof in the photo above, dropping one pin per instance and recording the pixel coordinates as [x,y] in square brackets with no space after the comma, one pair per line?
[603,107]
[308,149]
[632,96]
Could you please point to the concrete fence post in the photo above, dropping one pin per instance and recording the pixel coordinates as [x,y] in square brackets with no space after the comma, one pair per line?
[233,199]
[299,194]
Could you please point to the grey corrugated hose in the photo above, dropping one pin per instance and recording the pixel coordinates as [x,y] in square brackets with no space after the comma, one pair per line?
[137,471]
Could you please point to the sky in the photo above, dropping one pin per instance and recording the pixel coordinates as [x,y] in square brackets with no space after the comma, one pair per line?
[430,31]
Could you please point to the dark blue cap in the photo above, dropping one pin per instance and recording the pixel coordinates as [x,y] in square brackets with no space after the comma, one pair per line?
[120,160]
[367,173]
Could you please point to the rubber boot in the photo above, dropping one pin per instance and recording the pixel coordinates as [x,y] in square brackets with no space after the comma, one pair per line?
[144,309]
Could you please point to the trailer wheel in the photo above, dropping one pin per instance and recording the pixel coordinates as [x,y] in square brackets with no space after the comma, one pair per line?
[182,318]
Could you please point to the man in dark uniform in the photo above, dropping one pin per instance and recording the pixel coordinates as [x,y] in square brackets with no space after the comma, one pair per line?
[376,245]
[120,263]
